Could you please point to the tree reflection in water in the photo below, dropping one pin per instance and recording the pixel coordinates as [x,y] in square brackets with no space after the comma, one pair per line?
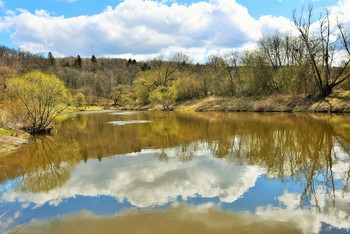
[300,148]
[49,164]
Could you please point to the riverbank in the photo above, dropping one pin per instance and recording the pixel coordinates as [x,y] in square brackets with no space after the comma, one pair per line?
[11,140]
[337,103]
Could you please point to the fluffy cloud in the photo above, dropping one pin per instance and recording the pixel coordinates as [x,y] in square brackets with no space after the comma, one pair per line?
[270,25]
[143,28]
[342,10]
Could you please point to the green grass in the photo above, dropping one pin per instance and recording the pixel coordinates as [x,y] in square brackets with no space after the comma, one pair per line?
[6,132]
[344,94]
[85,108]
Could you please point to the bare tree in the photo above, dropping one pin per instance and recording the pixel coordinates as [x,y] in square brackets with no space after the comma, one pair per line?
[182,60]
[282,50]
[322,48]
[166,71]
[232,71]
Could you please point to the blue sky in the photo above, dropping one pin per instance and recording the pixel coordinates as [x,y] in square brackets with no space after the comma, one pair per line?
[70,8]
[145,29]
[281,7]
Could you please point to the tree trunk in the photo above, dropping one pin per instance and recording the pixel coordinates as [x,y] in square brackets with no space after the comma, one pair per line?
[326,91]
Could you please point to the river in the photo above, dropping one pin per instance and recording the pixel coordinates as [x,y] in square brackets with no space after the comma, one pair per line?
[159,172]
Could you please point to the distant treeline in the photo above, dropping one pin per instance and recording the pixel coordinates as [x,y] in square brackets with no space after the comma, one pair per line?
[310,66]
[93,77]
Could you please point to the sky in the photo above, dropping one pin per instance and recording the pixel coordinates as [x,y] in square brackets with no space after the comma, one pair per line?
[144,29]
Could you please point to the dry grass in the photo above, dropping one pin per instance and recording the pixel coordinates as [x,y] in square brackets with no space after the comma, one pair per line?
[339,102]
[215,104]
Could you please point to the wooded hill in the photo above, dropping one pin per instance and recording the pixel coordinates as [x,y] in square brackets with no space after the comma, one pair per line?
[310,66]
[93,77]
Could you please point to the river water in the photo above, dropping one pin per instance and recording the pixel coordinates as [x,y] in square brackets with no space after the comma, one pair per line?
[157,172]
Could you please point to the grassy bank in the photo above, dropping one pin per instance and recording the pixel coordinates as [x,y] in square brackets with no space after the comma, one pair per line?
[85,108]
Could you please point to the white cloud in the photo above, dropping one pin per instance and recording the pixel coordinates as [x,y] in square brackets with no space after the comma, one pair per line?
[142,28]
[341,11]
[270,25]
[2,4]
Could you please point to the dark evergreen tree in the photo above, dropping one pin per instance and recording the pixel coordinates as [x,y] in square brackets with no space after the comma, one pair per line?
[51,59]
[78,62]
[145,67]
[93,59]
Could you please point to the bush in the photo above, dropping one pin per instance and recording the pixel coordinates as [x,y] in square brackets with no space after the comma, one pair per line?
[187,88]
[79,100]
[38,99]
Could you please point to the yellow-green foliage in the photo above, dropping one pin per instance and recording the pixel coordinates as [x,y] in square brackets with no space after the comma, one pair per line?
[187,88]
[344,94]
[122,95]
[163,95]
[143,84]
[6,132]
[36,98]
[79,100]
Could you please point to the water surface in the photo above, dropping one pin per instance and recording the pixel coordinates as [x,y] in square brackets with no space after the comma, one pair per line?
[156,172]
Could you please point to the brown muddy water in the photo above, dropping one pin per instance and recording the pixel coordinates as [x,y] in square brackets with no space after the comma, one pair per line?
[157,172]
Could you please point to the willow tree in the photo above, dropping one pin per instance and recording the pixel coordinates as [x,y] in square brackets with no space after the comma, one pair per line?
[36,99]
[324,47]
